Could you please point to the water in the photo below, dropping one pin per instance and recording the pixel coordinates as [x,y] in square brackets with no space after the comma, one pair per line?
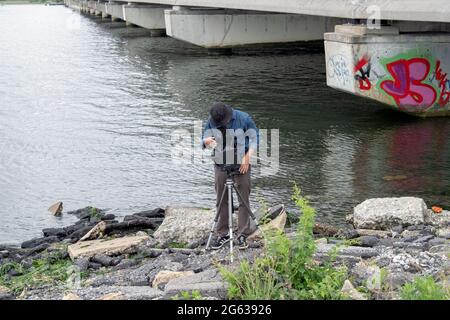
[87,107]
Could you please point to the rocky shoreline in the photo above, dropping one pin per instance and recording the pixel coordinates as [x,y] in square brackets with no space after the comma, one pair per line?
[159,254]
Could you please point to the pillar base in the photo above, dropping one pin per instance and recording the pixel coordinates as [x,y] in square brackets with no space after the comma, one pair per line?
[158,33]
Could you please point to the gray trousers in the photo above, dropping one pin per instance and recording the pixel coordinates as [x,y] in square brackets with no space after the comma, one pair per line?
[243,184]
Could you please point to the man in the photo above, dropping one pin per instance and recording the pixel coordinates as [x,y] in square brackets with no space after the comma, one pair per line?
[234,137]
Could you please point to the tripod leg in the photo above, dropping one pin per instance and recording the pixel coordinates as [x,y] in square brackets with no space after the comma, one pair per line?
[230,217]
[241,200]
[216,219]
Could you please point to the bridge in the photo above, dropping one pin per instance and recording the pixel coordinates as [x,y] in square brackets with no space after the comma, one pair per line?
[394,51]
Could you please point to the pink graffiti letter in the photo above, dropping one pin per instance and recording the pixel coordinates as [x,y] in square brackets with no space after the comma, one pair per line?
[407,88]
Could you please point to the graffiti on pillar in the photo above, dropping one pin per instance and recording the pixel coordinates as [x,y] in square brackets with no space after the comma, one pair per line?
[444,84]
[362,73]
[408,87]
[339,70]
[415,81]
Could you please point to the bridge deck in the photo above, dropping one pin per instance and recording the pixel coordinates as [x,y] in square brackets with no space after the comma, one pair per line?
[411,10]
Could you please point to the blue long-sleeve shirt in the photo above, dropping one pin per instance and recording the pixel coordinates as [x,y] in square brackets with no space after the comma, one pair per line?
[245,132]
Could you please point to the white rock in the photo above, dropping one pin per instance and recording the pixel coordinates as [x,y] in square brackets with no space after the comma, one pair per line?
[165,276]
[208,283]
[276,224]
[437,219]
[112,296]
[383,213]
[71,296]
[351,292]
[185,225]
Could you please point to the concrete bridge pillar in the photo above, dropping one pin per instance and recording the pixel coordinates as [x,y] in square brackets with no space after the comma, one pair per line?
[222,28]
[146,16]
[97,8]
[91,7]
[407,72]
[115,10]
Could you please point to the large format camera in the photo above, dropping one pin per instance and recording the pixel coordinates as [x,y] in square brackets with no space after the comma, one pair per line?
[231,169]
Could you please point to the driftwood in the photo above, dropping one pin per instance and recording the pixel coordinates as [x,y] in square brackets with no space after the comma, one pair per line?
[326,230]
[132,225]
[104,228]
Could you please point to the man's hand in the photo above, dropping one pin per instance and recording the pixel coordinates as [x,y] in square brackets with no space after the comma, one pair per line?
[245,163]
[210,142]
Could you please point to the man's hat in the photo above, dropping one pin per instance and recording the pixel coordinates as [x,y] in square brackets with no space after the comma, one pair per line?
[221,114]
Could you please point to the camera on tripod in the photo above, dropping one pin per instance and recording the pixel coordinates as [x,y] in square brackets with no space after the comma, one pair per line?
[231,169]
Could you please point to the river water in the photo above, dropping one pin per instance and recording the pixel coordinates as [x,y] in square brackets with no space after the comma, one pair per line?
[87,108]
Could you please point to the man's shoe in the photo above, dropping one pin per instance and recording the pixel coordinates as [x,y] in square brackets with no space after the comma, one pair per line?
[242,242]
[220,242]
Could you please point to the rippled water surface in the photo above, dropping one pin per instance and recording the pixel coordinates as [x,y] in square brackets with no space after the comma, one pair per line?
[87,108]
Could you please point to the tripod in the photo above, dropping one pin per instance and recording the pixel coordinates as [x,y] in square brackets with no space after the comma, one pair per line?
[229,186]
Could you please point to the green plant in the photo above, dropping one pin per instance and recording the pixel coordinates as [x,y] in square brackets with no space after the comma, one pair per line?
[46,271]
[287,269]
[263,207]
[424,288]
[186,295]
[178,245]
[95,213]
[7,267]
[291,218]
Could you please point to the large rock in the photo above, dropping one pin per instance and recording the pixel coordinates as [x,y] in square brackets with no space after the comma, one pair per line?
[441,219]
[185,225]
[58,232]
[119,293]
[155,213]
[354,251]
[276,224]
[349,290]
[39,241]
[443,232]
[385,213]
[108,247]
[71,296]
[209,283]
[165,276]
[5,294]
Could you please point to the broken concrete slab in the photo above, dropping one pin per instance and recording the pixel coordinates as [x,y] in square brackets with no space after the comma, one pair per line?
[107,247]
[165,276]
[119,293]
[112,296]
[56,209]
[354,251]
[209,283]
[71,296]
[374,233]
